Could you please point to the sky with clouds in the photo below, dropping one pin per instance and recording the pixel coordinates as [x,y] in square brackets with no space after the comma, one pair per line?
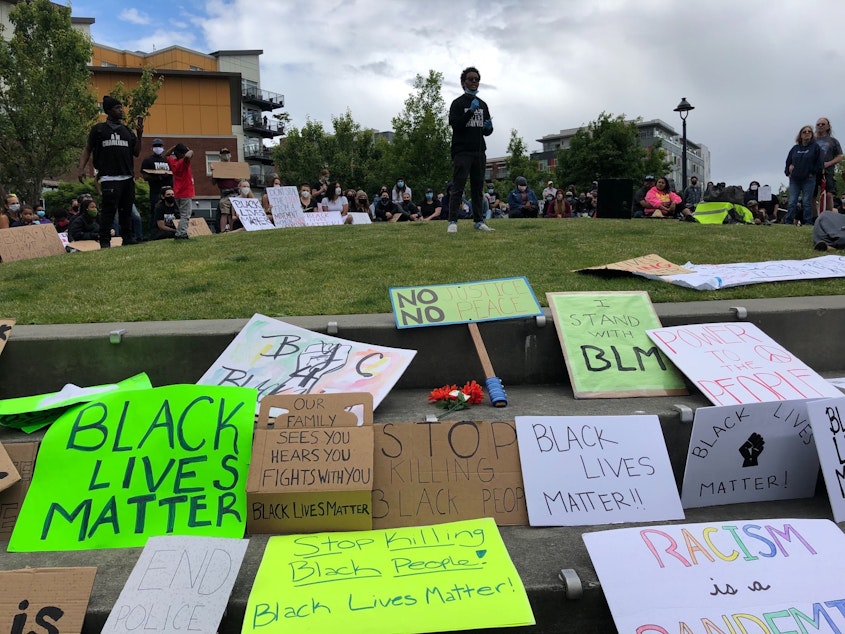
[755,70]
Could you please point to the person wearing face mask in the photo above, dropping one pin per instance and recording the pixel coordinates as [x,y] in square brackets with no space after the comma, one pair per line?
[470,120]
[243,191]
[408,210]
[385,209]
[429,208]
[166,214]
[265,199]
[156,171]
[305,198]
[751,193]
[84,225]
[363,203]
[11,212]
[399,189]
[41,214]
[522,201]
[228,187]
[334,200]
[27,217]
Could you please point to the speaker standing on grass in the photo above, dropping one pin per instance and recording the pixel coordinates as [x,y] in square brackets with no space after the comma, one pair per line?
[470,119]
[179,159]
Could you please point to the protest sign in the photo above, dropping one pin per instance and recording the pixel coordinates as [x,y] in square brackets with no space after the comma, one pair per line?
[606,349]
[5,331]
[229,169]
[278,358]
[287,210]
[360,218]
[444,471]
[712,277]
[251,213]
[455,576]
[130,465]
[827,418]
[750,453]
[736,362]
[8,472]
[52,600]
[323,219]
[198,227]
[581,470]
[762,576]
[30,413]
[443,304]
[651,264]
[22,455]
[312,467]
[179,584]
[32,241]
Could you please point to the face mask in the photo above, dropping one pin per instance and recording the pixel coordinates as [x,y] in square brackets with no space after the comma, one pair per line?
[225,157]
[40,213]
[305,194]
[15,207]
[158,151]
[244,191]
[169,199]
[384,199]
[337,191]
[400,184]
[548,197]
[92,212]
[472,93]
[753,188]
[490,191]
[522,188]
[362,201]
[429,195]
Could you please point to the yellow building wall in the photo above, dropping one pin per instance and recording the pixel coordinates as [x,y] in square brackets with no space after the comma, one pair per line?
[171,58]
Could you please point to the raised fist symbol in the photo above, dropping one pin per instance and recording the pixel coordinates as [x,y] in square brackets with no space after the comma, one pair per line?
[750,449]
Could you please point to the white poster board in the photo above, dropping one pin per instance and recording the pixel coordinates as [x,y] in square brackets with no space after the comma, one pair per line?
[275,357]
[323,219]
[764,194]
[360,218]
[178,584]
[750,453]
[736,362]
[828,420]
[747,576]
[251,213]
[580,470]
[287,210]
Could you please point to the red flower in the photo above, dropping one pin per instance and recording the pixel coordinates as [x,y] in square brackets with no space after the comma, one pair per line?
[452,399]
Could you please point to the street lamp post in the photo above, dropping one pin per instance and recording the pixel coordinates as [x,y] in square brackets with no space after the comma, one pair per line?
[683,109]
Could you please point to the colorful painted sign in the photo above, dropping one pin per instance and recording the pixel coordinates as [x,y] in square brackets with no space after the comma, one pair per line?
[750,453]
[128,466]
[443,304]
[274,357]
[581,470]
[454,576]
[607,351]
[743,576]
[736,362]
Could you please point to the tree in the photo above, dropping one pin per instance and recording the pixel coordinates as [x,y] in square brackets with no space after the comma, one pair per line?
[607,148]
[46,105]
[519,163]
[138,101]
[301,154]
[422,137]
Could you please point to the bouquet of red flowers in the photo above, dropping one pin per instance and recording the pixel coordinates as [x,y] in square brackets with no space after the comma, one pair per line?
[452,399]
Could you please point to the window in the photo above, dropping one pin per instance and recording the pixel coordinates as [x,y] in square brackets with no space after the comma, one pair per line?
[191,67]
[105,64]
[210,157]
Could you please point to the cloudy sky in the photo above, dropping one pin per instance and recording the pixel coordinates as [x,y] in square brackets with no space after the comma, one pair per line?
[755,70]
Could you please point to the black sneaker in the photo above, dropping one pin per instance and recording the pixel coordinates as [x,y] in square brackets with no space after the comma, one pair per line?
[820,246]
[105,245]
[178,237]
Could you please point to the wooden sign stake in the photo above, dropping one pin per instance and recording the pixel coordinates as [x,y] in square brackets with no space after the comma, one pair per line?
[493,383]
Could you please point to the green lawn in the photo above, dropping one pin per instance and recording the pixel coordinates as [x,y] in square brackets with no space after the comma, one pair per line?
[347,270]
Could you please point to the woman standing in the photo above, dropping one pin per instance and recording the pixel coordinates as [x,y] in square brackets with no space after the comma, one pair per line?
[661,201]
[803,162]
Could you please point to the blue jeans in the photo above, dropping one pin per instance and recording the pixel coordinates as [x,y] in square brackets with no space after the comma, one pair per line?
[804,189]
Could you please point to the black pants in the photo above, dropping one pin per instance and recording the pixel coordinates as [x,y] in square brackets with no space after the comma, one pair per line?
[472,165]
[118,197]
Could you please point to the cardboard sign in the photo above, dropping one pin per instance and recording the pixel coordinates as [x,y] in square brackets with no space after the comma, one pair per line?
[113,472]
[198,227]
[442,304]
[22,455]
[31,413]
[229,169]
[179,584]
[607,351]
[252,214]
[8,473]
[455,576]
[581,470]
[287,210]
[736,362]
[314,470]
[278,358]
[86,246]
[745,576]
[651,264]
[444,471]
[5,331]
[712,277]
[828,420]
[33,241]
[750,453]
[45,599]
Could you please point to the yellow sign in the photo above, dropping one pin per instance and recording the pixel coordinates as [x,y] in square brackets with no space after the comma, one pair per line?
[448,577]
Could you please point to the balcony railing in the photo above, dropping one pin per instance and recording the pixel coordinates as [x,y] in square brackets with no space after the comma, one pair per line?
[264,124]
[258,152]
[271,100]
